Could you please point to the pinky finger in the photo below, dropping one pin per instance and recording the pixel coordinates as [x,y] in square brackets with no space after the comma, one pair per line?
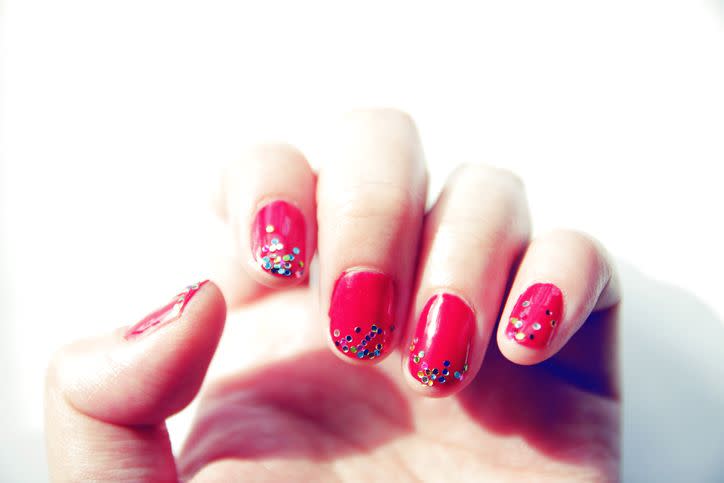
[563,278]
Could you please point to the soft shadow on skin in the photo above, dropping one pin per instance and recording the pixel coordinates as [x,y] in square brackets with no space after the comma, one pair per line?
[548,404]
[312,406]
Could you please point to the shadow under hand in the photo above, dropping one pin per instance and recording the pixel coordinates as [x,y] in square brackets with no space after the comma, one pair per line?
[313,406]
[564,411]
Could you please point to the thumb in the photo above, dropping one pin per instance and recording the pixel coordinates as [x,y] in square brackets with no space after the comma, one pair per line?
[107,398]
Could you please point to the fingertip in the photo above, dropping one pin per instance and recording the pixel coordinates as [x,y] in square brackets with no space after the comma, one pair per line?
[146,373]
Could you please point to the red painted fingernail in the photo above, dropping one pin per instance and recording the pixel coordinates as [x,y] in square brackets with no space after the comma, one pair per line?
[166,314]
[361,320]
[536,315]
[440,350]
[278,240]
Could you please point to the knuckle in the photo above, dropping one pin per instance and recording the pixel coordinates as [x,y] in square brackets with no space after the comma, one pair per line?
[270,156]
[480,173]
[385,115]
[585,246]
[499,192]
[583,241]
[381,200]
[383,133]
[467,232]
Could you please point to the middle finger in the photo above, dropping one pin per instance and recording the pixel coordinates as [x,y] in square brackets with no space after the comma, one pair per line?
[371,198]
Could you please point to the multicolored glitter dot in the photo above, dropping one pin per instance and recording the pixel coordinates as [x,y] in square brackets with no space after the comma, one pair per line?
[357,344]
[277,225]
[429,376]
[441,346]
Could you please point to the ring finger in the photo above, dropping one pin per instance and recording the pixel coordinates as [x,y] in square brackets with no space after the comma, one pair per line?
[472,237]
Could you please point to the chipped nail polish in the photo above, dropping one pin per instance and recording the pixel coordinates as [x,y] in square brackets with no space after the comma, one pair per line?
[440,349]
[536,315]
[361,315]
[166,314]
[278,240]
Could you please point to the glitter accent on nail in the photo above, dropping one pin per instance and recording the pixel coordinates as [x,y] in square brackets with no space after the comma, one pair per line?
[430,376]
[357,343]
[280,227]
[532,323]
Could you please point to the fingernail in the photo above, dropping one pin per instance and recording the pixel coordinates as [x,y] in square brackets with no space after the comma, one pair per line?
[166,314]
[536,316]
[440,350]
[361,320]
[278,240]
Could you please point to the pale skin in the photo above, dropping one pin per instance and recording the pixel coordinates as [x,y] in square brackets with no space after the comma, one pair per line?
[550,414]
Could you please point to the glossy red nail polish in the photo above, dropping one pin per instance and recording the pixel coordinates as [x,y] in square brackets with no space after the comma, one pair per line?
[361,318]
[440,350]
[166,314]
[536,315]
[278,240]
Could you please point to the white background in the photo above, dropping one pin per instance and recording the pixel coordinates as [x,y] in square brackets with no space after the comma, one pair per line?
[117,115]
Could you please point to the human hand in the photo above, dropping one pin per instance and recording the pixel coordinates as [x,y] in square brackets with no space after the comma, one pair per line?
[541,406]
